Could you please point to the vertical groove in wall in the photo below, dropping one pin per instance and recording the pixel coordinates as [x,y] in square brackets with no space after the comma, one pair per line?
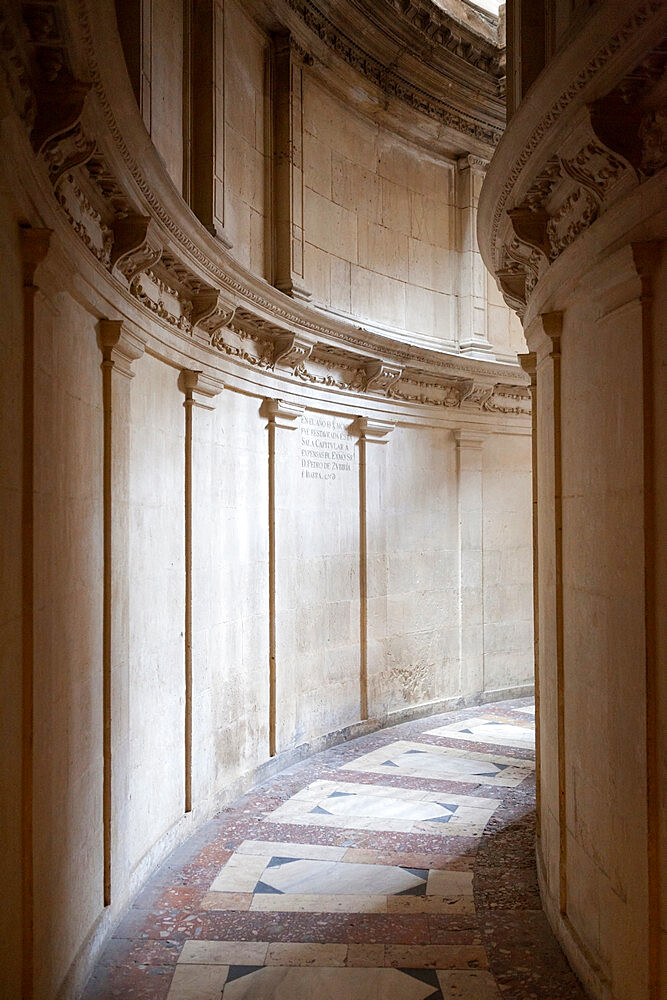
[553,323]
[107,373]
[188,404]
[363,583]
[272,587]
[646,256]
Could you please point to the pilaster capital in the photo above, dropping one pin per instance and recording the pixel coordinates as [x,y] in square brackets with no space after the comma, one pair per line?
[199,388]
[470,440]
[529,364]
[281,414]
[370,429]
[470,162]
[34,246]
[120,346]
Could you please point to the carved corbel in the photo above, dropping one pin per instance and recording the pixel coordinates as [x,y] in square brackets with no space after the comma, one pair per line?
[381,376]
[530,228]
[199,388]
[291,350]
[480,395]
[120,346]
[60,105]
[210,313]
[512,280]
[65,152]
[136,246]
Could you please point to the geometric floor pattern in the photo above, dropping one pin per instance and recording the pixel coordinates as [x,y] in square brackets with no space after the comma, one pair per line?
[396,866]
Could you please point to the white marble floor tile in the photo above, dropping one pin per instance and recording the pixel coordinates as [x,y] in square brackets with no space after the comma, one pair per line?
[422,761]
[357,806]
[489,731]
[197,982]
[281,983]
[224,953]
[338,877]
[240,873]
[283,849]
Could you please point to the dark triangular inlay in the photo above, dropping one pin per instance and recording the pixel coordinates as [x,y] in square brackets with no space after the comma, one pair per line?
[263,888]
[238,971]
[438,819]
[277,862]
[467,731]
[428,976]
[419,872]
[339,795]
[415,751]
[320,811]
[449,805]
[416,890]
[388,763]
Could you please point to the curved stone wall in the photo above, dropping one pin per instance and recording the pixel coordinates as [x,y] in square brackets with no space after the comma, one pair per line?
[254,509]
[573,220]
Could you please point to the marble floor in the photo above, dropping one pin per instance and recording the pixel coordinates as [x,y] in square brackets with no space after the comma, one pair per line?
[392,867]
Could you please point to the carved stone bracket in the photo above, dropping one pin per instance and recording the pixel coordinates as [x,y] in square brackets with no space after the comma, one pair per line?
[282,414]
[120,346]
[35,244]
[200,389]
[381,377]
[291,350]
[60,106]
[210,313]
[372,430]
[136,246]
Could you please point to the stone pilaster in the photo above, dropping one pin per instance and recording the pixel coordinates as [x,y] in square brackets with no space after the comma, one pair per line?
[288,177]
[286,416]
[200,391]
[372,540]
[473,340]
[120,347]
[469,444]
[207,116]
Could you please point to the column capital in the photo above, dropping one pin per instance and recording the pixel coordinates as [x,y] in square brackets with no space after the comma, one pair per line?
[282,414]
[199,388]
[120,346]
[529,364]
[470,162]
[370,429]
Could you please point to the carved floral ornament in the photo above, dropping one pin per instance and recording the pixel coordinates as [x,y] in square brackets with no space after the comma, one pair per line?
[136,244]
[613,145]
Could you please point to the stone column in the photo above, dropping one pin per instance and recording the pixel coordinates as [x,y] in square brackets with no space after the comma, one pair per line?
[473,339]
[207,116]
[288,184]
[283,415]
[34,247]
[372,538]
[121,347]
[200,390]
[469,444]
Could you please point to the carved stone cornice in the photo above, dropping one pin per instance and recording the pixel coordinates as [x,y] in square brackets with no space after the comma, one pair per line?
[584,154]
[210,313]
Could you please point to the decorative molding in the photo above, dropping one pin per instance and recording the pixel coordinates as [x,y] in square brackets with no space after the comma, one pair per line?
[282,414]
[200,389]
[120,346]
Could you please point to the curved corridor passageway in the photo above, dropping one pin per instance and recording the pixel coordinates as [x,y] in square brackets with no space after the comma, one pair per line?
[398,866]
